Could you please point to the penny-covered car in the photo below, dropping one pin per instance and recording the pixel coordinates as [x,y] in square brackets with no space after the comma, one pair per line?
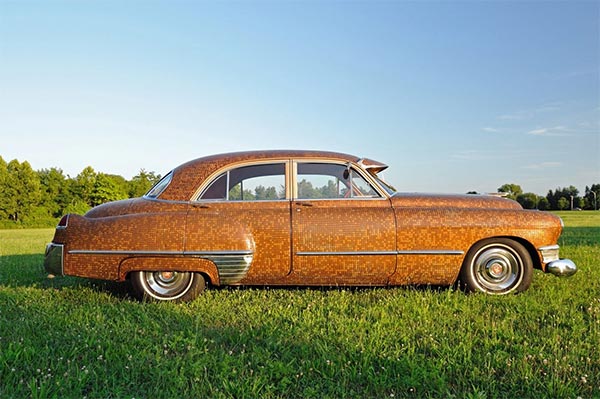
[303,218]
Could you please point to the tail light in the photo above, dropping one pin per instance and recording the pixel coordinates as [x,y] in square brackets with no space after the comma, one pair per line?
[64,221]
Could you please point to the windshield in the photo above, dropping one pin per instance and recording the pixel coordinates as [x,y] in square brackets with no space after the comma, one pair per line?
[387,187]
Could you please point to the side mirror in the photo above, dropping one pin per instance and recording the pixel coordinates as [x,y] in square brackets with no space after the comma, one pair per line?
[347,173]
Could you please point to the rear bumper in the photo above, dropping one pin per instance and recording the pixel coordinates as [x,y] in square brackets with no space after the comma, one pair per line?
[53,263]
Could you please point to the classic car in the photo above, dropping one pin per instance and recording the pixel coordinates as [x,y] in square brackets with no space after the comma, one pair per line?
[303,218]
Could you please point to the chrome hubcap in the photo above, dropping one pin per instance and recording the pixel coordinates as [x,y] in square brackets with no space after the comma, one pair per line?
[497,268]
[167,284]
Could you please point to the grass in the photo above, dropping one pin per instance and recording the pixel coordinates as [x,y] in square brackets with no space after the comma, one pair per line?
[69,337]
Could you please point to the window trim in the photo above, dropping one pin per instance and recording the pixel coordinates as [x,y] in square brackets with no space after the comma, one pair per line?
[355,166]
[291,178]
[160,186]
[217,174]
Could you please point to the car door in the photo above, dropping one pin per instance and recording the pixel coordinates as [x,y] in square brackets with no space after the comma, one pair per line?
[343,229]
[246,208]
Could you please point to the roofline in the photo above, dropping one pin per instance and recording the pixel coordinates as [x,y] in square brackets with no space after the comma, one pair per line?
[271,154]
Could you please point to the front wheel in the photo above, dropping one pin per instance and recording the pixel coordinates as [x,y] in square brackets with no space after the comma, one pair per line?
[167,285]
[497,266]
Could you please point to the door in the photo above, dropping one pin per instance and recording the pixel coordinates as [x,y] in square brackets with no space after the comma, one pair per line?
[246,209]
[343,230]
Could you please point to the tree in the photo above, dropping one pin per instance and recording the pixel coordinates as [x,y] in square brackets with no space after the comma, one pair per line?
[331,190]
[22,190]
[141,183]
[562,203]
[543,204]
[4,199]
[265,193]
[306,190]
[528,200]
[53,184]
[84,185]
[512,190]
[591,200]
[107,188]
[566,193]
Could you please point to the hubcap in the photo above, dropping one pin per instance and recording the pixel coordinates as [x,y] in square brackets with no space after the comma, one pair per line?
[167,284]
[497,268]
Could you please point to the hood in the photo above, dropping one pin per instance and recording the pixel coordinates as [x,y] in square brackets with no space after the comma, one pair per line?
[413,200]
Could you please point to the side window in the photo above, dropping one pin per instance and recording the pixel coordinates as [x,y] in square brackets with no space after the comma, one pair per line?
[329,181]
[249,183]
[160,186]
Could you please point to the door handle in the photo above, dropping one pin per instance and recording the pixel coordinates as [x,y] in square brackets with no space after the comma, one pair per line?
[304,204]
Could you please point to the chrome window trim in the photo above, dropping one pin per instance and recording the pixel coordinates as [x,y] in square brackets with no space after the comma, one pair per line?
[226,169]
[166,180]
[355,166]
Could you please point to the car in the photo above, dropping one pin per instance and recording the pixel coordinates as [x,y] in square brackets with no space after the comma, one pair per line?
[303,218]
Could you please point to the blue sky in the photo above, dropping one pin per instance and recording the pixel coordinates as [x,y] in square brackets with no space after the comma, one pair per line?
[453,96]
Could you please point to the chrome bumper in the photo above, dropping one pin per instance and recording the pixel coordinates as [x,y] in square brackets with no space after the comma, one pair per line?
[53,263]
[555,265]
[561,268]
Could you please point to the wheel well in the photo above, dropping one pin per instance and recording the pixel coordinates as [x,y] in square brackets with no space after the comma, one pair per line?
[206,277]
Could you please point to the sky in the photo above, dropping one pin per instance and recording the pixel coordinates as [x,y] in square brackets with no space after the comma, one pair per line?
[453,96]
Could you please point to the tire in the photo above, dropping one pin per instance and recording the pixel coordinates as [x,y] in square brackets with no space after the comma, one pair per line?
[167,285]
[497,266]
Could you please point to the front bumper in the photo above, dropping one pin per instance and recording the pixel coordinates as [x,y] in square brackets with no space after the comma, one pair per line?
[53,263]
[555,265]
[561,268]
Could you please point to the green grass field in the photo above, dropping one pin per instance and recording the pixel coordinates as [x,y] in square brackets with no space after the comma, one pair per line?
[69,337]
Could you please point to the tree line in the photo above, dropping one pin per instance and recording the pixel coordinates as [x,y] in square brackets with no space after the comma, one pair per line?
[38,198]
[562,198]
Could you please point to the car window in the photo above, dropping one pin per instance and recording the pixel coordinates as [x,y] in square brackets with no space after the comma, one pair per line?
[159,187]
[265,182]
[329,181]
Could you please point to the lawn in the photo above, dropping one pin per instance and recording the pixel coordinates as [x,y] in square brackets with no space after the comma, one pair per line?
[69,337]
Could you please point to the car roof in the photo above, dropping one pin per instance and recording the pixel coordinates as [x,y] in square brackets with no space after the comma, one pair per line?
[188,176]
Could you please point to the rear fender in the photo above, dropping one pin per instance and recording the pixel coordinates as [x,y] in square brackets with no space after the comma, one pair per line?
[180,264]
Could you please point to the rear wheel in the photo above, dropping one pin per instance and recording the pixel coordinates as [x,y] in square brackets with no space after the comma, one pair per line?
[167,285]
[497,266]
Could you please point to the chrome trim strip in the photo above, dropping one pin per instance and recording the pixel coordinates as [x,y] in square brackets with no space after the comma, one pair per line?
[345,253]
[431,252]
[166,253]
[362,253]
